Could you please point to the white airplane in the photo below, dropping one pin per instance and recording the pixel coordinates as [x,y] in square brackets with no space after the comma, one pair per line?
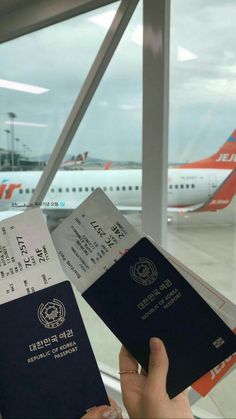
[75,162]
[205,185]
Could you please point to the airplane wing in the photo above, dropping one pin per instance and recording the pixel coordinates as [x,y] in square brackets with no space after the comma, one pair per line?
[221,198]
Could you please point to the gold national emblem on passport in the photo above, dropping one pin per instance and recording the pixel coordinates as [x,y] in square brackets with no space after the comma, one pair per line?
[52,314]
[144,272]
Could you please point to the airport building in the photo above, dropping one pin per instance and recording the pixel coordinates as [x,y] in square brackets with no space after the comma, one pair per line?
[5,157]
[16,162]
[137,98]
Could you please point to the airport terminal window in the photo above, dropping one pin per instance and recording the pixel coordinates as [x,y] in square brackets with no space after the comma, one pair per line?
[202,117]
[109,137]
[201,120]
[37,96]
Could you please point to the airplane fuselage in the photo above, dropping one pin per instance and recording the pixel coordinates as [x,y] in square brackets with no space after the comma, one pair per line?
[186,187]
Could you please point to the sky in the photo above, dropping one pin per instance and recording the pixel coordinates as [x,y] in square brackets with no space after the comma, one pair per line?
[202,84]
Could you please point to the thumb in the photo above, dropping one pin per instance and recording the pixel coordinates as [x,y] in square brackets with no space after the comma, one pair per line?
[106,412]
[158,365]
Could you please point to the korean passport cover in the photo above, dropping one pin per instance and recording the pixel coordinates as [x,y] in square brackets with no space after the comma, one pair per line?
[142,295]
[47,367]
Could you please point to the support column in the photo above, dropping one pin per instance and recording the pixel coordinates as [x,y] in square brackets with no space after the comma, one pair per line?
[156,34]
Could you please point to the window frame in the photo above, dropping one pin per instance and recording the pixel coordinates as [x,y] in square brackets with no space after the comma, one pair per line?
[25,17]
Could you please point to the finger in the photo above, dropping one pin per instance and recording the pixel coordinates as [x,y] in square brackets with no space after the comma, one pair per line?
[158,365]
[103,412]
[143,372]
[127,361]
[95,412]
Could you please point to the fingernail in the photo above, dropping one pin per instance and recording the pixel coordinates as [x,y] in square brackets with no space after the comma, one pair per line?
[112,413]
[155,344]
[90,408]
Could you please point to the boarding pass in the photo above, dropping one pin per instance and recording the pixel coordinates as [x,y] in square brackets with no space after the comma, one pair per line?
[92,239]
[28,259]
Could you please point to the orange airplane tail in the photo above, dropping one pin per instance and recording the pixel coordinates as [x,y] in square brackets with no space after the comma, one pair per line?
[223,196]
[224,158]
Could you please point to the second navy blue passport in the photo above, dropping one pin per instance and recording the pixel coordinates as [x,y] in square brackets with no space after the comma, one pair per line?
[47,367]
[141,296]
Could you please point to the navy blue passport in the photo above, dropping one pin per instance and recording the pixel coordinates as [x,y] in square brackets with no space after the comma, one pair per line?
[47,367]
[142,295]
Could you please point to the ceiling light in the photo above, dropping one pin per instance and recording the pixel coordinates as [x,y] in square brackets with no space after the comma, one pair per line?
[185,55]
[28,124]
[28,88]
[103,19]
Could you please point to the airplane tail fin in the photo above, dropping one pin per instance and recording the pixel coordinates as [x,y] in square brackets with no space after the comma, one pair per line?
[223,195]
[107,165]
[224,158]
[82,157]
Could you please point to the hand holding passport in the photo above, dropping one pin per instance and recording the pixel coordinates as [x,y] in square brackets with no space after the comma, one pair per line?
[138,293]
[145,395]
[141,296]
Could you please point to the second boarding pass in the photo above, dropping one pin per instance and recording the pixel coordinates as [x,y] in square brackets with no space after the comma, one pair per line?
[92,239]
